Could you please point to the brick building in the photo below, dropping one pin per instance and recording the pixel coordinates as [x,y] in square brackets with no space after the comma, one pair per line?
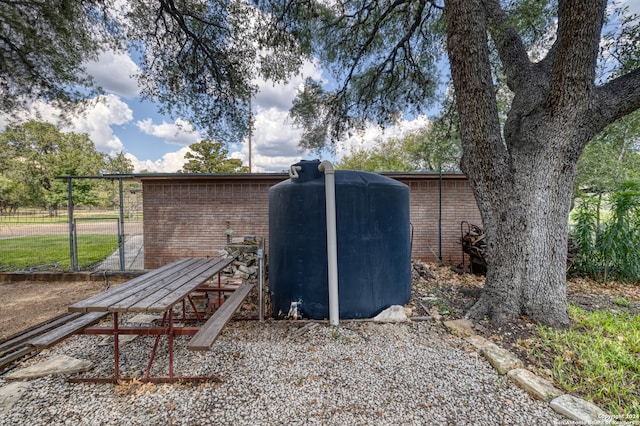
[187,215]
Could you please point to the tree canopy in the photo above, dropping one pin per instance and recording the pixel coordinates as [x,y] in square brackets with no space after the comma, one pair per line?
[44,46]
[39,152]
[211,157]
[435,147]
[611,158]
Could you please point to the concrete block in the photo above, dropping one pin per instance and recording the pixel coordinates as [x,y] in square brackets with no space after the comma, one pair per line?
[10,394]
[460,327]
[535,386]
[579,410]
[60,364]
[394,313]
[478,342]
[501,359]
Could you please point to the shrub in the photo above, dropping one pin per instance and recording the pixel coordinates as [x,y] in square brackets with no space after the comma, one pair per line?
[609,246]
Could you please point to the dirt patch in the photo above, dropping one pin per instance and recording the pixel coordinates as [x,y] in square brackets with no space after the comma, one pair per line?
[27,303]
[443,291]
[435,289]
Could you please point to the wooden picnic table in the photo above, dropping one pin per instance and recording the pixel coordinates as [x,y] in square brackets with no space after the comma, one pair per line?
[159,291]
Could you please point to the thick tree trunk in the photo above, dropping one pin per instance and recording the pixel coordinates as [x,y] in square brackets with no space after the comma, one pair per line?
[522,175]
[522,181]
[526,228]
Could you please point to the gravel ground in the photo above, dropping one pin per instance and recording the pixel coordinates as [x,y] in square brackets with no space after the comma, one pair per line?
[275,373]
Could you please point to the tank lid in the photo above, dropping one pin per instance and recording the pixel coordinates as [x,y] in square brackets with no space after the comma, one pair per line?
[305,170]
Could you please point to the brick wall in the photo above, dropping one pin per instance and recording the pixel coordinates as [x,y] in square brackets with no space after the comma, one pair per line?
[458,204]
[186,215]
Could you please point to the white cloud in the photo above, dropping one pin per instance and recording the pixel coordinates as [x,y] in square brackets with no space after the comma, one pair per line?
[170,162]
[96,120]
[274,142]
[281,95]
[115,73]
[372,134]
[274,134]
[180,132]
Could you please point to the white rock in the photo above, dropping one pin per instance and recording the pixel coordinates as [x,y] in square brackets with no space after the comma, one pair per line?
[394,313]
[10,394]
[579,410]
[61,364]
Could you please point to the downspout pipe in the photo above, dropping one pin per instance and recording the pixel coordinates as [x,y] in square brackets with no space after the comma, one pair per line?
[332,240]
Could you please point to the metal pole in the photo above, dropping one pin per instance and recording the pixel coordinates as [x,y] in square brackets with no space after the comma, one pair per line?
[260,281]
[121,228]
[72,257]
[332,241]
[250,133]
[76,263]
[440,217]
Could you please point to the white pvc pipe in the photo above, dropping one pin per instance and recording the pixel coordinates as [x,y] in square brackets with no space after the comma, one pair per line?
[332,240]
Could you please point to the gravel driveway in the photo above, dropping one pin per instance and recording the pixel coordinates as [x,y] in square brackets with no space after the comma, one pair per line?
[274,373]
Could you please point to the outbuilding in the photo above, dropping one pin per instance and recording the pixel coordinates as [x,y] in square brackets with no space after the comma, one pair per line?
[191,215]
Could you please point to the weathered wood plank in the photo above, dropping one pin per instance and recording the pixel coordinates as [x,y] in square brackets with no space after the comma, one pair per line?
[22,338]
[102,300]
[193,281]
[210,331]
[52,337]
[158,286]
[7,359]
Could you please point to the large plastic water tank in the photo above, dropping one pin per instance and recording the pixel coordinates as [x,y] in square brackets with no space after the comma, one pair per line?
[374,259]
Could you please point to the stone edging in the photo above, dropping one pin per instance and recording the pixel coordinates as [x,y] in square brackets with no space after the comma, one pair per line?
[505,362]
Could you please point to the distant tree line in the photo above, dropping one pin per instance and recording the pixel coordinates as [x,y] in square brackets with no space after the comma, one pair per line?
[35,153]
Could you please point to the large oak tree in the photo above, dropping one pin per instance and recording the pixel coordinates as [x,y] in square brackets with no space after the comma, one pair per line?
[521,166]
[200,58]
[522,175]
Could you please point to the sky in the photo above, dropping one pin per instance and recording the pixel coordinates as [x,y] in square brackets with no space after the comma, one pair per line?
[122,121]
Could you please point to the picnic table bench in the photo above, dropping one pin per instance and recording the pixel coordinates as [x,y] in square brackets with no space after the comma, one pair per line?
[157,291]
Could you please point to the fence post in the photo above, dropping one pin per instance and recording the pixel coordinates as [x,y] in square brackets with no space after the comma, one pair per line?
[121,228]
[72,257]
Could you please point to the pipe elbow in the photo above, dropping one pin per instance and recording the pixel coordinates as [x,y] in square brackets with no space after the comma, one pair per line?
[327,167]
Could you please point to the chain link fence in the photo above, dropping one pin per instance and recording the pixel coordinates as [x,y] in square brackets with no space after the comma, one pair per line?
[88,239]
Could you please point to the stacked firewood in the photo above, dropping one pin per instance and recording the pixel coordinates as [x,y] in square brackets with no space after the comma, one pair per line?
[474,243]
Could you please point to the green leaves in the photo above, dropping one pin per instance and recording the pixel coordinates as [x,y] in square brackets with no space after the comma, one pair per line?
[211,157]
[43,45]
[610,158]
[200,60]
[435,147]
[382,54]
[607,231]
[38,152]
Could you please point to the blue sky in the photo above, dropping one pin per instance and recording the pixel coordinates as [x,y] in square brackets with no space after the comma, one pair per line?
[123,122]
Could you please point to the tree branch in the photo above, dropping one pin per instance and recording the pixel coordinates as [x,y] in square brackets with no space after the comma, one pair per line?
[614,100]
[509,44]
[471,72]
[356,62]
[575,51]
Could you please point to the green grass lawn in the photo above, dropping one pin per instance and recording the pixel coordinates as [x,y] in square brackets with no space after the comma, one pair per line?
[598,357]
[37,251]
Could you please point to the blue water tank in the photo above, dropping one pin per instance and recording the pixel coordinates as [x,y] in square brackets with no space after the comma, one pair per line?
[374,243]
